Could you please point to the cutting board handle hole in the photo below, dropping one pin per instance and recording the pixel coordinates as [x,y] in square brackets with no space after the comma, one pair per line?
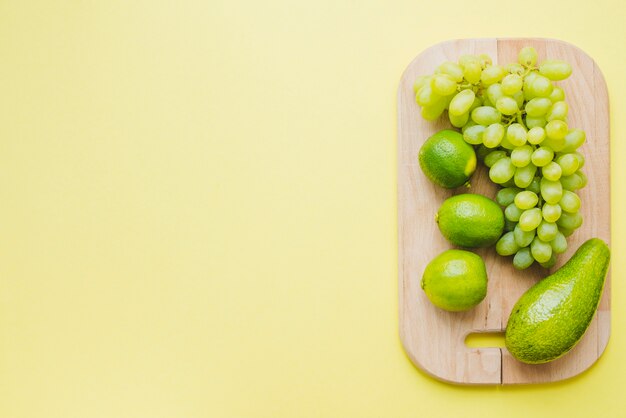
[485,339]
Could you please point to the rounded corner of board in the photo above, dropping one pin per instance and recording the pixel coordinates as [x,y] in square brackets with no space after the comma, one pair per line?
[578,373]
[602,347]
[421,367]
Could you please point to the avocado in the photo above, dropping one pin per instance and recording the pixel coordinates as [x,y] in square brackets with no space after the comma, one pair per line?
[553,315]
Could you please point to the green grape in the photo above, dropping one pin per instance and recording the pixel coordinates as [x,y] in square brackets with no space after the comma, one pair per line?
[526,200]
[583,178]
[523,238]
[506,144]
[557,111]
[573,182]
[466,59]
[519,99]
[559,243]
[546,231]
[443,85]
[506,196]
[523,259]
[474,134]
[538,122]
[494,92]
[550,263]
[481,152]
[509,225]
[580,158]
[508,183]
[542,156]
[502,171]
[507,105]
[461,102]
[493,135]
[566,231]
[530,219]
[452,69]
[514,68]
[478,101]
[555,70]
[538,106]
[571,221]
[485,60]
[458,121]
[541,250]
[570,202]
[513,213]
[528,80]
[556,129]
[552,171]
[568,163]
[426,96]
[555,144]
[420,82]
[551,191]
[524,176]
[468,125]
[511,84]
[536,135]
[527,56]
[493,156]
[541,86]
[516,134]
[486,115]
[574,139]
[557,95]
[534,185]
[551,213]
[472,72]
[487,102]
[520,157]
[492,74]
[433,111]
[506,245]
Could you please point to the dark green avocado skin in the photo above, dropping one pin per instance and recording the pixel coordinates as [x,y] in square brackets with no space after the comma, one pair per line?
[553,315]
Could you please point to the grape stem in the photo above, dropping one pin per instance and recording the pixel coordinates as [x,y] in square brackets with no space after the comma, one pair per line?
[517,117]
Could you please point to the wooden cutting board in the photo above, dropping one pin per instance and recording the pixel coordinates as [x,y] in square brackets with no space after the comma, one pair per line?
[434,339]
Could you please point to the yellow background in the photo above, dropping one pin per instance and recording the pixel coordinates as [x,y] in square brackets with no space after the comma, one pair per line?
[198,207]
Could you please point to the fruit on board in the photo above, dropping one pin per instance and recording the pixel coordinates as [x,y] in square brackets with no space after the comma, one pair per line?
[455,280]
[470,220]
[553,315]
[516,118]
[447,160]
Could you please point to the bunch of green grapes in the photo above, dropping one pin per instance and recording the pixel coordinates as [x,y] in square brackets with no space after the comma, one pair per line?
[517,119]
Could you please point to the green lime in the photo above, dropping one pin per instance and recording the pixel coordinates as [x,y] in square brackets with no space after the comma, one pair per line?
[447,160]
[470,220]
[455,280]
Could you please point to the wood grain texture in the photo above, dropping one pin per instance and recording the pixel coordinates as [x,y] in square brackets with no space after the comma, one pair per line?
[434,339]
